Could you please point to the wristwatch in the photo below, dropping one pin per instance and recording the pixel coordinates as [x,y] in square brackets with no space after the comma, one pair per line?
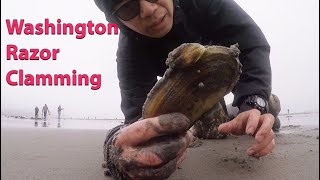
[257,102]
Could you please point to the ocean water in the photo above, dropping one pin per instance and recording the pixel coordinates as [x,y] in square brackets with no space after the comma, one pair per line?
[311,119]
[8,122]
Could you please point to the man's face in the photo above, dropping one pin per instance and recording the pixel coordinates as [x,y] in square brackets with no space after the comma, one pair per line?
[154,19]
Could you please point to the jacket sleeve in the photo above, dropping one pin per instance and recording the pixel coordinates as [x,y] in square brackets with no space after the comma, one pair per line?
[136,78]
[224,22]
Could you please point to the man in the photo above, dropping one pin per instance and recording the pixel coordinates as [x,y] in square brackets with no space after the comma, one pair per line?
[59,111]
[36,111]
[36,116]
[150,29]
[45,110]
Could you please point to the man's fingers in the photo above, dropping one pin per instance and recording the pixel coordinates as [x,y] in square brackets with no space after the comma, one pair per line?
[228,127]
[253,121]
[159,172]
[257,147]
[187,139]
[267,123]
[168,149]
[266,150]
[159,150]
[146,129]
[162,172]
[235,126]
[182,157]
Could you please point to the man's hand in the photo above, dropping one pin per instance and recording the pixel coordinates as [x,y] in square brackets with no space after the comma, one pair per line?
[152,148]
[251,122]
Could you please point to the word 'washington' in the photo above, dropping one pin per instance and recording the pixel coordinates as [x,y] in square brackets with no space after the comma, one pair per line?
[16,77]
[58,28]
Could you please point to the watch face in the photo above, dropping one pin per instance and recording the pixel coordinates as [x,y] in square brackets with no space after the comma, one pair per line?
[261,102]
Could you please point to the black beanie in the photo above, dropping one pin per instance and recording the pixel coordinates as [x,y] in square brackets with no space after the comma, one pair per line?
[106,7]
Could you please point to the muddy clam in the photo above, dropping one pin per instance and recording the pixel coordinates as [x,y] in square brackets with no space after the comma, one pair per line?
[197,78]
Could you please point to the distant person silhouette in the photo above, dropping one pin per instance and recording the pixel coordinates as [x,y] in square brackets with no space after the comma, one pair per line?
[59,111]
[36,116]
[45,110]
[36,112]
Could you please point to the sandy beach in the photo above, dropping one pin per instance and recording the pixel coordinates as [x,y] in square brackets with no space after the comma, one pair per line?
[67,154]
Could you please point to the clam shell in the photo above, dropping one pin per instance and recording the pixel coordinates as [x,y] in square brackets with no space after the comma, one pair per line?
[198,77]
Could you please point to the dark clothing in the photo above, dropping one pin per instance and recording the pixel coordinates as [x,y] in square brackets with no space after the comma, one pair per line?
[45,109]
[59,111]
[36,111]
[141,59]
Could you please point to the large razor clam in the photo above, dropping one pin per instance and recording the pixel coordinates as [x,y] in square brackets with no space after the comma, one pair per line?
[198,77]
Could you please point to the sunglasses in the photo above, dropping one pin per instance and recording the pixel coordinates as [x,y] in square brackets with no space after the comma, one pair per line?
[129,10]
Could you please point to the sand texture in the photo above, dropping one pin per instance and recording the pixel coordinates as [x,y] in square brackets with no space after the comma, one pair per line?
[65,154]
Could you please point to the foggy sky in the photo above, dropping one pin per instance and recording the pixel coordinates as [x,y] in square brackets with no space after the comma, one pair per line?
[290,26]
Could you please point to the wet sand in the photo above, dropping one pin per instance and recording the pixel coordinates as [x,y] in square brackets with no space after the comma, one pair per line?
[65,154]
